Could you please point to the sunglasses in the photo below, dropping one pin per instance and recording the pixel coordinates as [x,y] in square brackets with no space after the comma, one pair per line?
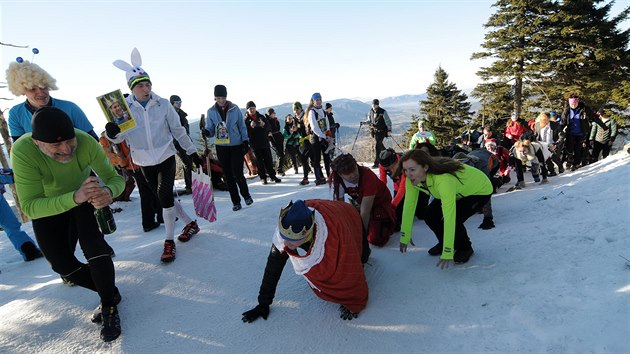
[177,102]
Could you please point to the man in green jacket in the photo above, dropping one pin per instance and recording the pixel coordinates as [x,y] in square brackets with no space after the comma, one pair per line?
[459,191]
[52,168]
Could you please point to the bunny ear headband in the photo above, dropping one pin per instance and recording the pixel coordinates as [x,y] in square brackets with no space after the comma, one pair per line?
[135,73]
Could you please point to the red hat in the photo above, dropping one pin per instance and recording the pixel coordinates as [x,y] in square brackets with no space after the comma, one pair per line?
[491,141]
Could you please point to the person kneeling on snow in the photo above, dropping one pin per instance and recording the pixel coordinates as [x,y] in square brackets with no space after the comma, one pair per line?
[325,242]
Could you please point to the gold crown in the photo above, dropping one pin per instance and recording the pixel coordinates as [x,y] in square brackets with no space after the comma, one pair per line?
[288,233]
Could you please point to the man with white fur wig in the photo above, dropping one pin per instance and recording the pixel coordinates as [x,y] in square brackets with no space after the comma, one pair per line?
[324,241]
[30,80]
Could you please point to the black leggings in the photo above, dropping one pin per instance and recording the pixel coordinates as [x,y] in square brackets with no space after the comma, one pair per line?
[53,236]
[465,208]
[161,178]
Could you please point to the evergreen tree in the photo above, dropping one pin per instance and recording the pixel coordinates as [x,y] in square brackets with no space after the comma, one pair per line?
[411,131]
[517,27]
[446,110]
[586,52]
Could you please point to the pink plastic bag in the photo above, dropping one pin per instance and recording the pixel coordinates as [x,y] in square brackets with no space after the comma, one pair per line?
[203,196]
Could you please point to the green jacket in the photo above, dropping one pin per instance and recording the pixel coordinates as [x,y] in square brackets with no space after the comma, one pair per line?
[448,189]
[46,187]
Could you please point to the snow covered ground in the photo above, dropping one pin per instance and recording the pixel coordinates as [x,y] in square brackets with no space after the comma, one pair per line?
[549,278]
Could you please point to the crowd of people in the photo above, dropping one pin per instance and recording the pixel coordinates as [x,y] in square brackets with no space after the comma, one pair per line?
[63,176]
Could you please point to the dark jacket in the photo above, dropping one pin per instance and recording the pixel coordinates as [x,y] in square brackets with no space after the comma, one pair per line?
[259,133]
[586,117]
[377,118]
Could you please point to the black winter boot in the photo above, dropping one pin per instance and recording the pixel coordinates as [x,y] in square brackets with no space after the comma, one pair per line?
[487,224]
[111,324]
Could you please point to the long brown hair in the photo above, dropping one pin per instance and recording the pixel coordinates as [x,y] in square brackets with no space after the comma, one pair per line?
[437,165]
[307,123]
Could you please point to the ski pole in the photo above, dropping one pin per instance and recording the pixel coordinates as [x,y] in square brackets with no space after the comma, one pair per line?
[355,138]
[400,147]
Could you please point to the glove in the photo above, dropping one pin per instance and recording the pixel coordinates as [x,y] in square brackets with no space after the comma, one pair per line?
[112,129]
[253,314]
[245,147]
[194,157]
[346,314]
[205,133]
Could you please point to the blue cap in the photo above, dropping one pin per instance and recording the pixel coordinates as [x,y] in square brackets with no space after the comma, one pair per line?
[316,96]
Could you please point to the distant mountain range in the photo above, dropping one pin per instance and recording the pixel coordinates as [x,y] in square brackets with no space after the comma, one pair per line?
[350,112]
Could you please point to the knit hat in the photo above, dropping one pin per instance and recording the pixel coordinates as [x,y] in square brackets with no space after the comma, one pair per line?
[220,91]
[297,106]
[26,75]
[250,104]
[175,98]
[328,105]
[270,111]
[491,142]
[376,101]
[387,157]
[134,72]
[51,125]
[316,96]
[296,221]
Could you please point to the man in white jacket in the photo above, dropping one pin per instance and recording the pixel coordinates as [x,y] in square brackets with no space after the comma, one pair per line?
[151,144]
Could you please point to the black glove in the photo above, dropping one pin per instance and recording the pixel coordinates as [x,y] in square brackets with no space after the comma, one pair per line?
[194,157]
[245,147]
[253,314]
[112,129]
[205,133]
[346,314]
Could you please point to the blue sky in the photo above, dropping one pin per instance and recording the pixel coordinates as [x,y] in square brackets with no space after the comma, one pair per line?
[270,52]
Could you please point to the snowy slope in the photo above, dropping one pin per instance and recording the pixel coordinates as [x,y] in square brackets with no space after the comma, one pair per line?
[548,278]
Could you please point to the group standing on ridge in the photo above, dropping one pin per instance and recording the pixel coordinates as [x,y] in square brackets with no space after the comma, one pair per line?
[63,177]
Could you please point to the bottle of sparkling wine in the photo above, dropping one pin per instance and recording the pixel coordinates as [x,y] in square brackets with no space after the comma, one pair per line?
[105,219]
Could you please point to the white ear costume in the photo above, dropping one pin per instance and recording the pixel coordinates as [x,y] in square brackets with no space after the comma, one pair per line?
[134,72]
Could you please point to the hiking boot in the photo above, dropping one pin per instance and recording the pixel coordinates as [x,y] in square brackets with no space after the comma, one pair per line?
[111,324]
[151,227]
[519,185]
[237,207]
[264,181]
[169,252]
[190,230]
[462,256]
[304,181]
[536,178]
[320,181]
[67,281]
[436,250]
[276,179]
[249,200]
[487,224]
[30,251]
[296,171]
[281,173]
[97,314]
[544,181]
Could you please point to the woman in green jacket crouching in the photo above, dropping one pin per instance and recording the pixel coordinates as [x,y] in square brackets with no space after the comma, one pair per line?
[458,191]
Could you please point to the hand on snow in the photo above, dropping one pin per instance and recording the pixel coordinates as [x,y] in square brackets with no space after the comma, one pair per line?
[444,263]
[253,314]
[346,314]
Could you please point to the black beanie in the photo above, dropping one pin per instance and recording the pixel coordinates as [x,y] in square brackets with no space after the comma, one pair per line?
[250,104]
[220,91]
[51,125]
[328,105]
[175,98]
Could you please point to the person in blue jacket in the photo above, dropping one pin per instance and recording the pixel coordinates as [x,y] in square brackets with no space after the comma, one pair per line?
[225,122]
[30,80]
[22,242]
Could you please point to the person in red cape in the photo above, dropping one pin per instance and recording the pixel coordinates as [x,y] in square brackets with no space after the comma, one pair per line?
[325,242]
[368,194]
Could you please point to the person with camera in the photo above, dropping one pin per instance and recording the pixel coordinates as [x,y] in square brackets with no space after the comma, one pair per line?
[380,128]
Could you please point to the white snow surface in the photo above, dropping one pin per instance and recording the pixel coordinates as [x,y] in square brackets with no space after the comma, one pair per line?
[548,279]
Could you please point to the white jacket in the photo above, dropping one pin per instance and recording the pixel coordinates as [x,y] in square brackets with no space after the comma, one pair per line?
[151,141]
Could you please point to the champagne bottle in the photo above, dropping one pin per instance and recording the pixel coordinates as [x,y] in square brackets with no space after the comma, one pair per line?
[105,219]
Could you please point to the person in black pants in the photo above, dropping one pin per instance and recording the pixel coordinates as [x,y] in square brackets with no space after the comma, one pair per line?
[52,167]
[380,128]
[176,101]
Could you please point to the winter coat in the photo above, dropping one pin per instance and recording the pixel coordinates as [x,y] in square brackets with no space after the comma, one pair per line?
[318,123]
[421,137]
[448,189]
[151,141]
[380,121]
[277,138]
[399,182]
[550,136]
[576,122]
[258,130]
[604,136]
[292,138]
[332,263]
[233,120]
[516,129]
